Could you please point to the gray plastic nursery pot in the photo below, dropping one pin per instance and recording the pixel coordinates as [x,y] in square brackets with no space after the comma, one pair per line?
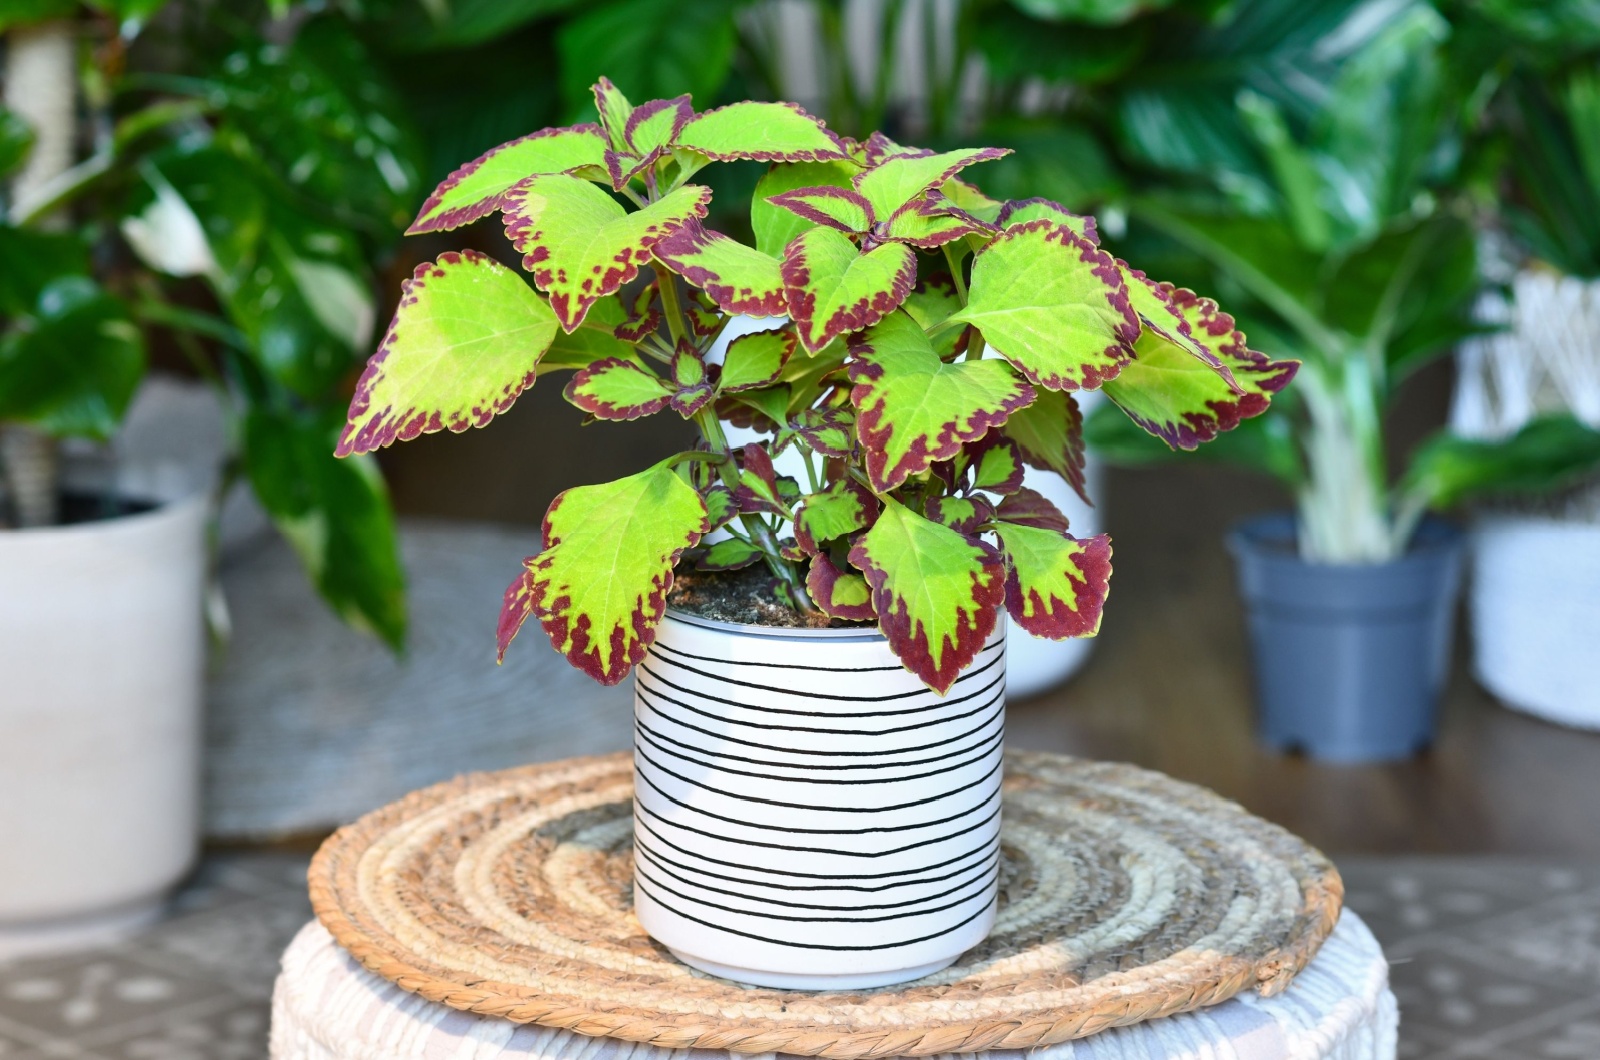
[1348,660]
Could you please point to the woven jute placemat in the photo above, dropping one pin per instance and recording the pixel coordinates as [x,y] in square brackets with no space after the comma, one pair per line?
[1125,895]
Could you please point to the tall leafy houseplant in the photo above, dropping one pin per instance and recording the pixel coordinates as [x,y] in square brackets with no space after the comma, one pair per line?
[897,277]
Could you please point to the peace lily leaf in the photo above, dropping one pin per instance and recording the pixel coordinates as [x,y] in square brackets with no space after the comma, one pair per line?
[895,181]
[614,389]
[463,345]
[1018,211]
[73,367]
[962,514]
[1055,584]
[1027,507]
[912,409]
[832,289]
[754,361]
[1180,399]
[740,280]
[762,132]
[614,110]
[840,594]
[775,226]
[730,554]
[644,315]
[997,464]
[928,225]
[838,208]
[477,188]
[1050,435]
[580,244]
[1154,303]
[654,125]
[600,586]
[1053,305]
[594,340]
[936,591]
[838,510]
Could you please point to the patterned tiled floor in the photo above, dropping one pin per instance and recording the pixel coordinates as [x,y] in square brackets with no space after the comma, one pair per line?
[1491,959]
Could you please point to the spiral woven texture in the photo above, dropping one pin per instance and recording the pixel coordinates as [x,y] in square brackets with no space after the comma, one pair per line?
[1125,895]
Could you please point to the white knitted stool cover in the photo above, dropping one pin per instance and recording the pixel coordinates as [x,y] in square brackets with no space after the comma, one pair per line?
[327,1007]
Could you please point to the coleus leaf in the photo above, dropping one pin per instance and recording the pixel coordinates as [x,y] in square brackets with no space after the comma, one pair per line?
[895,181]
[1055,584]
[615,389]
[1053,305]
[838,208]
[1019,211]
[756,360]
[1050,434]
[694,383]
[600,586]
[840,594]
[739,279]
[775,226]
[655,125]
[842,508]
[580,244]
[477,188]
[1179,398]
[1028,507]
[961,514]
[928,224]
[614,110]
[996,464]
[930,304]
[832,289]
[594,340]
[729,554]
[1153,302]
[761,132]
[826,431]
[969,198]
[703,315]
[912,409]
[464,343]
[758,482]
[644,315]
[936,591]
[720,506]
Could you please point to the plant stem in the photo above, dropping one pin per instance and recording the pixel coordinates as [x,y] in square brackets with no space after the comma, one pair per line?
[955,273]
[666,283]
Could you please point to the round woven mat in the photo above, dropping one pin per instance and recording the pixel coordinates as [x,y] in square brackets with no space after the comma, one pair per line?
[1125,895]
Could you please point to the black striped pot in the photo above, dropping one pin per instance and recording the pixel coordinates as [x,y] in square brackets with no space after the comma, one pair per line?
[807,814]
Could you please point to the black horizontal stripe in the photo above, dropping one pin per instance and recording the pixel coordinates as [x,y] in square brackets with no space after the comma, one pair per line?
[798,666]
[813,945]
[990,746]
[930,800]
[969,673]
[640,685]
[640,692]
[722,838]
[982,885]
[642,827]
[791,830]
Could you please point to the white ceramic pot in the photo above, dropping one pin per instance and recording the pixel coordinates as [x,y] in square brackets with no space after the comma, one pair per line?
[1535,601]
[809,815]
[101,659]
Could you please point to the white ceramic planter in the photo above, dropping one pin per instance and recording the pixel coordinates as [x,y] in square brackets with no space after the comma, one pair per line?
[101,657]
[1535,601]
[807,814]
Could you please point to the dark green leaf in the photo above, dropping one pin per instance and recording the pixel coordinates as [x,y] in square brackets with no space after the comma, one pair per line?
[1549,453]
[652,49]
[1017,48]
[72,368]
[1265,444]
[15,139]
[30,261]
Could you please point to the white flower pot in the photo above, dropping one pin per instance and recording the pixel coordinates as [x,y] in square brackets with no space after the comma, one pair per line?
[101,658]
[1535,600]
[809,815]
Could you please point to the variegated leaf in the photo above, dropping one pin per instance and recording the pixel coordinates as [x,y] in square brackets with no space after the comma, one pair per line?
[653,126]
[996,464]
[762,132]
[465,341]
[580,244]
[739,279]
[895,181]
[594,340]
[775,226]
[705,317]
[839,208]
[842,508]
[832,289]
[1180,399]
[1157,312]
[614,110]
[600,586]
[1055,584]
[644,315]
[476,189]
[931,303]
[1028,507]
[695,386]
[756,360]
[928,224]
[961,514]
[615,389]
[720,506]
[913,409]
[1053,305]
[1019,211]
[1050,434]
[728,554]
[827,431]
[758,482]
[969,198]
[840,594]
[936,591]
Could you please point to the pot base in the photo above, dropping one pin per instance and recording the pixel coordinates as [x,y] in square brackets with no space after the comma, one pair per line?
[67,934]
[783,981]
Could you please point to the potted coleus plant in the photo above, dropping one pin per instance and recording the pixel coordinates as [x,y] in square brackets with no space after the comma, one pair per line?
[820,692]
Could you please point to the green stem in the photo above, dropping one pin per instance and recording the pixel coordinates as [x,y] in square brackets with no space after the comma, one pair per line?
[955,273]
[666,283]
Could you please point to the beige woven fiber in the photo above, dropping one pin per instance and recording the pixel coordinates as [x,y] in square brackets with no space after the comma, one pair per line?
[1125,895]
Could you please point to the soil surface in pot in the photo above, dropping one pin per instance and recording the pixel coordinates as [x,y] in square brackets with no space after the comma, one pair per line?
[744,596]
[77,508]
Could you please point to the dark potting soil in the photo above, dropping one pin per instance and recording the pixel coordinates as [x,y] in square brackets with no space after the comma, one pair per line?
[744,596]
[79,508]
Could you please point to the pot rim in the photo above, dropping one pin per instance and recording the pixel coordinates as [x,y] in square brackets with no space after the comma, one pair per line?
[1436,539]
[857,633]
[172,508]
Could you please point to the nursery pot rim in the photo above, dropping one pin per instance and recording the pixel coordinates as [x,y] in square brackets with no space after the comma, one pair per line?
[160,508]
[1260,535]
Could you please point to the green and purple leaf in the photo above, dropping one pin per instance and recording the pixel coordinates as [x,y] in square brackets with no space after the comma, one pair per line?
[720,506]
[644,315]
[897,179]
[842,508]
[615,389]
[695,386]
[840,594]
[477,188]
[936,592]
[761,132]
[839,208]
[1158,313]
[961,514]
[729,554]
[930,304]
[614,110]
[775,226]
[996,464]
[1050,434]
[1052,304]
[581,245]
[1020,211]
[704,316]
[465,342]
[758,482]
[600,586]
[832,289]
[1028,507]
[756,360]
[912,409]
[594,340]
[655,125]
[739,279]
[1056,585]
[827,431]
[930,223]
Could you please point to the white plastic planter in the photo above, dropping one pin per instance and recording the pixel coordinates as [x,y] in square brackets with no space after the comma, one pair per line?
[1535,601]
[807,814]
[101,659]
